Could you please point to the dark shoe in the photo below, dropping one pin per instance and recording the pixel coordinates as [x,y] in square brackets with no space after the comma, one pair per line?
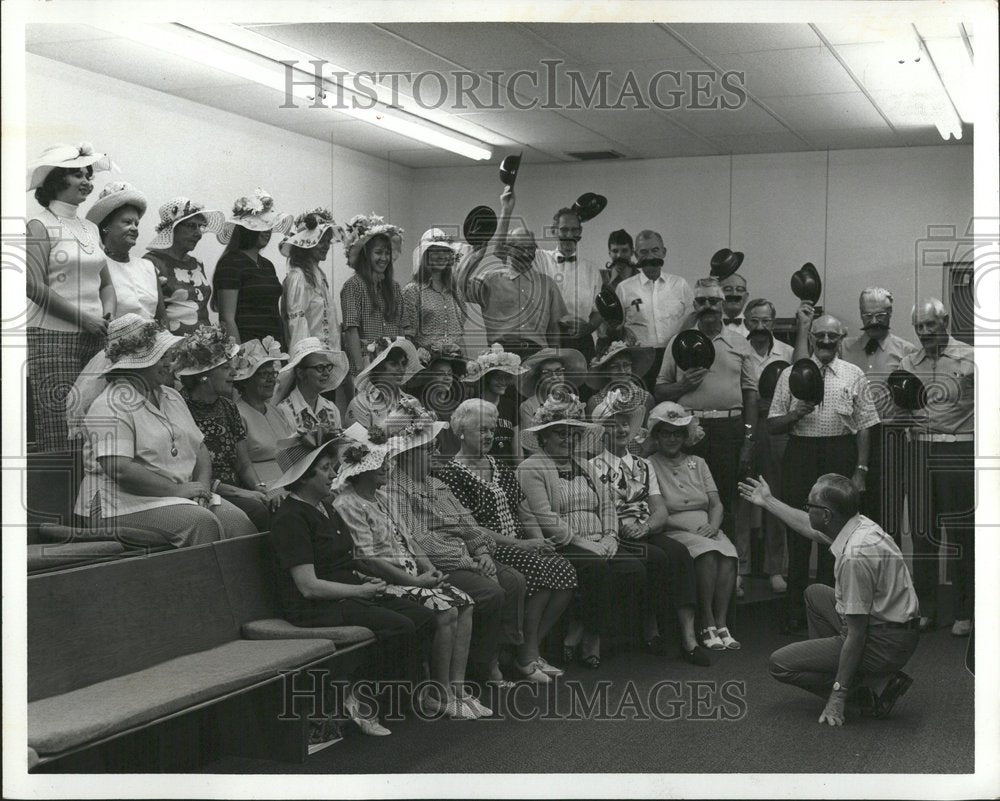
[697,656]
[568,654]
[656,645]
[865,699]
[898,684]
[593,661]
[926,624]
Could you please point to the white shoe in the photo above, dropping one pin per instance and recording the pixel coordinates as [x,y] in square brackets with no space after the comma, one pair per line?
[778,584]
[460,709]
[371,727]
[481,710]
[961,628]
[549,670]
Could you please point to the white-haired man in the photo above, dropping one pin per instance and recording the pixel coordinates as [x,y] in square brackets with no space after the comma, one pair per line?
[863,630]
[878,351]
[941,483]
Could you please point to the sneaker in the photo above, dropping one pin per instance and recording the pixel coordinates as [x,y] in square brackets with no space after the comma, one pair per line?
[778,585]
[961,628]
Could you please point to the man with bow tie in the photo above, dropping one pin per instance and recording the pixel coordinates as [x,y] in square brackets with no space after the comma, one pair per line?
[877,351]
[578,279]
[735,290]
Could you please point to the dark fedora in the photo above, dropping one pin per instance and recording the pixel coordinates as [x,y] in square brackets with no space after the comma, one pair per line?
[769,378]
[509,167]
[589,205]
[609,306]
[725,262]
[692,349]
[806,284]
[480,225]
[908,391]
[805,381]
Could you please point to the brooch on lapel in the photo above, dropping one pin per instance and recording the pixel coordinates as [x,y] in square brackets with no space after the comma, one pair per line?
[691,464]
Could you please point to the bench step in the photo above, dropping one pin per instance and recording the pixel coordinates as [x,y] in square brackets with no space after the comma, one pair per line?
[276,629]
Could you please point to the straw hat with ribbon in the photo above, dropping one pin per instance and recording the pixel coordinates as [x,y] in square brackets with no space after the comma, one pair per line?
[303,348]
[572,360]
[378,352]
[204,349]
[363,227]
[310,227]
[561,409]
[177,211]
[115,195]
[255,213]
[673,414]
[255,352]
[493,359]
[135,342]
[409,425]
[68,157]
[295,455]
[642,359]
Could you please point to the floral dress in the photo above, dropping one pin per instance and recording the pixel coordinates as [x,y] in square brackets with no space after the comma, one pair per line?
[493,504]
[377,536]
[629,480]
[186,291]
[223,429]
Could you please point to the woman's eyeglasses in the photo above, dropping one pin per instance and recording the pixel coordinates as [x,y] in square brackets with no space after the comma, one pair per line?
[320,368]
[553,373]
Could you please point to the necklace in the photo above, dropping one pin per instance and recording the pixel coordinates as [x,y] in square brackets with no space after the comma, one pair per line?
[165,422]
[76,227]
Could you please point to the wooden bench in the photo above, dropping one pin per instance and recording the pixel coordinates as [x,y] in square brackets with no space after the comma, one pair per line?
[166,661]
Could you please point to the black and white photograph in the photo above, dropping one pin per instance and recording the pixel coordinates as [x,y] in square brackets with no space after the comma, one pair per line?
[455,400]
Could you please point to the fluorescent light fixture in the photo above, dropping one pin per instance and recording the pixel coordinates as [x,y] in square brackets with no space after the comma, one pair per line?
[952,59]
[266,70]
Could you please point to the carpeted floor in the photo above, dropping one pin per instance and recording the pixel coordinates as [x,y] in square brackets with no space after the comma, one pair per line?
[730,717]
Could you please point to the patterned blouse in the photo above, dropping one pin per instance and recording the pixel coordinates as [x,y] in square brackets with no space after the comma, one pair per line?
[632,482]
[374,530]
[301,417]
[186,291]
[493,503]
[431,316]
[224,429]
[308,310]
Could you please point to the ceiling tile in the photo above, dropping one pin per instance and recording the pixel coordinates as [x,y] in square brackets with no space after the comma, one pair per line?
[750,118]
[760,143]
[803,71]
[264,104]
[855,138]
[603,43]
[636,128]
[529,126]
[720,38]
[480,45]
[836,111]
[36,33]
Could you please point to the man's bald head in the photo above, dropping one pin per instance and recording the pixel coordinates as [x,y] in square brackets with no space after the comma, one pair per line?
[825,334]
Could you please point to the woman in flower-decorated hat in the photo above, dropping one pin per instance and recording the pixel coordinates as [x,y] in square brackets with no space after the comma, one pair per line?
[183,283]
[247,292]
[621,366]
[306,305]
[147,469]
[384,548]
[255,377]
[204,364]
[432,308]
[392,363]
[312,370]
[438,385]
[491,376]
[566,502]
[371,302]
[545,371]
[70,292]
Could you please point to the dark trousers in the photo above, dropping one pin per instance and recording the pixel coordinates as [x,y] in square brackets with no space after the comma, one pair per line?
[258,513]
[609,590]
[941,491]
[498,610]
[649,379]
[886,483]
[721,450]
[670,576]
[813,664]
[806,459]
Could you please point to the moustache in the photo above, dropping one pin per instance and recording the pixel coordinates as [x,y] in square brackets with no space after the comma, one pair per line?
[652,261]
[760,333]
[733,298]
[875,327]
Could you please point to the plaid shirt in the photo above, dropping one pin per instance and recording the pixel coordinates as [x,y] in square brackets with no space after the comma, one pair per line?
[445,529]
[847,405]
[358,311]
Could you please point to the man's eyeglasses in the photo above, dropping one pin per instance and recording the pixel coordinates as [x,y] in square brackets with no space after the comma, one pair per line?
[708,301]
[876,316]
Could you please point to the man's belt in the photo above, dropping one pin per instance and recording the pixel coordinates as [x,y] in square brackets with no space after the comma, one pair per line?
[710,414]
[912,623]
[944,437]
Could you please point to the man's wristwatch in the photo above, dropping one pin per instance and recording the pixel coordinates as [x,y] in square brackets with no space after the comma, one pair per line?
[862,467]
[839,688]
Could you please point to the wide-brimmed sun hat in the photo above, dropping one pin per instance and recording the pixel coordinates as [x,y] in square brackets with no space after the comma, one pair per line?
[673,414]
[177,211]
[434,238]
[255,352]
[310,227]
[494,359]
[362,451]
[113,196]
[561,409]
[135,342]
[625,399]
[255,213]
[360,228]
[296,454]
[642,360]
[204,349]
[378,352]
[441,351]
[301,349]
[410,425]
[68,157]
[572,360]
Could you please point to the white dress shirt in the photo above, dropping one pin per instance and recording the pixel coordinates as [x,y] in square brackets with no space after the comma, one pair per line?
[578,281]
[655,310]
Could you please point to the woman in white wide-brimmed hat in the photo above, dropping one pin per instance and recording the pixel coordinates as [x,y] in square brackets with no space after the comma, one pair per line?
[493,376]
[147,469]
[385,549]
[183,282]
[117,213]
[392,364]
[371,302]
[432,308]
[567,503]
[306,306]
[204,365]
[245,287]
[312,369]
[70,292]
[255,377]
[695,515]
